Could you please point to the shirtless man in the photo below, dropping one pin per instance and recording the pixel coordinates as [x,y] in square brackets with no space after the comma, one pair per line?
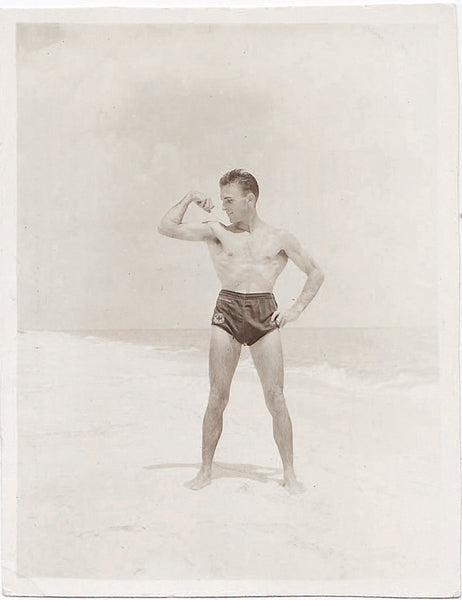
[248,256]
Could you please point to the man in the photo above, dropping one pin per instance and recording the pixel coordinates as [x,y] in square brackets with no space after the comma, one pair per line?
[248,256]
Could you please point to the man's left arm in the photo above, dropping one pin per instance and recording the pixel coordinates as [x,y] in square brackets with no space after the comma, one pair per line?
[314,279]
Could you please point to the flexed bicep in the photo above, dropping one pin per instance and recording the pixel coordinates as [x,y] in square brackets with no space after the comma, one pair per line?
[171,224]
[192,232]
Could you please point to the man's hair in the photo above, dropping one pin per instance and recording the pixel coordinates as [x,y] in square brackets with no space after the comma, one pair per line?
[246,180]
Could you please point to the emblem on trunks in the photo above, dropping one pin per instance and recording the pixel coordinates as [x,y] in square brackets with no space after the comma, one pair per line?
[218,318]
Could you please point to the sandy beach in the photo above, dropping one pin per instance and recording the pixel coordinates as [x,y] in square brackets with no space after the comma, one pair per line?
[110,429]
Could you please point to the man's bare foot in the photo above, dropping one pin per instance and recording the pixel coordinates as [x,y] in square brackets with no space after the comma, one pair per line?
[292,485]
[202,479]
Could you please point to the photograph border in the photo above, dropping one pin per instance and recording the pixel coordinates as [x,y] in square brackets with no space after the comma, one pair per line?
[444,16]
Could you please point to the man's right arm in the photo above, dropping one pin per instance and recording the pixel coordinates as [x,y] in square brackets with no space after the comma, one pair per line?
[171,224]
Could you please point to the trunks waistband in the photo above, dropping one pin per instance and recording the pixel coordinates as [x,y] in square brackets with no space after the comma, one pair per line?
[233,294]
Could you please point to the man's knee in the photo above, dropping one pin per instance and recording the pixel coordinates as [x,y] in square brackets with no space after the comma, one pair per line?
[275,401]
[218,399]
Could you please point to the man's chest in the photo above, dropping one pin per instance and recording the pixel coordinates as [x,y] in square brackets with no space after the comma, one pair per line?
[248,246]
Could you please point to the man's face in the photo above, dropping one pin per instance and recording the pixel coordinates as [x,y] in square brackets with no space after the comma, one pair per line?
[235,203]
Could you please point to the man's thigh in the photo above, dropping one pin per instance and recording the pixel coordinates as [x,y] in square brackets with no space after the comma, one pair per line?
[223,358]
[268,359]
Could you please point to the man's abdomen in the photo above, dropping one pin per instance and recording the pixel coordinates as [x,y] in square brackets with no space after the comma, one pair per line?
[248,276]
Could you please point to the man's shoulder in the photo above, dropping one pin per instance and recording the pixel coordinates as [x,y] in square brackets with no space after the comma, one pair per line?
[216,224]
[216,227]
[285,238]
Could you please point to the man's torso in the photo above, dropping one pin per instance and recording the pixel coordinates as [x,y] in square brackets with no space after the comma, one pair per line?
[247,261]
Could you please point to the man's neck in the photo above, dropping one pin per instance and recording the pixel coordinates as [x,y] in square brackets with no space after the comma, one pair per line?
[249,224]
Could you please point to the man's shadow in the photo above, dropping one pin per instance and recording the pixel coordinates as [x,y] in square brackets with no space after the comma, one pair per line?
[230,470]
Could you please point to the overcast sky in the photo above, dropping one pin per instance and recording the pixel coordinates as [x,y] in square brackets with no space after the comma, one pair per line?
[119,122]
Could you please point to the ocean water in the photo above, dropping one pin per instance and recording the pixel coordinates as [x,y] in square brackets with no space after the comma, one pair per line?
[338,356]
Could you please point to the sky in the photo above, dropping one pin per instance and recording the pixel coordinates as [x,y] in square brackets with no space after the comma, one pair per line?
[116,123]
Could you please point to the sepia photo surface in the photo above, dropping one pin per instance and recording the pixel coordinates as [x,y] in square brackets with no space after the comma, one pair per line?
[348,120]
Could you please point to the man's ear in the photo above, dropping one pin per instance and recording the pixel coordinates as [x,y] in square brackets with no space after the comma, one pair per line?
[251,199]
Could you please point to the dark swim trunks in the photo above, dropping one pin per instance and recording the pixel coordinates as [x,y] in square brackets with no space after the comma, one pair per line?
[247,317]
